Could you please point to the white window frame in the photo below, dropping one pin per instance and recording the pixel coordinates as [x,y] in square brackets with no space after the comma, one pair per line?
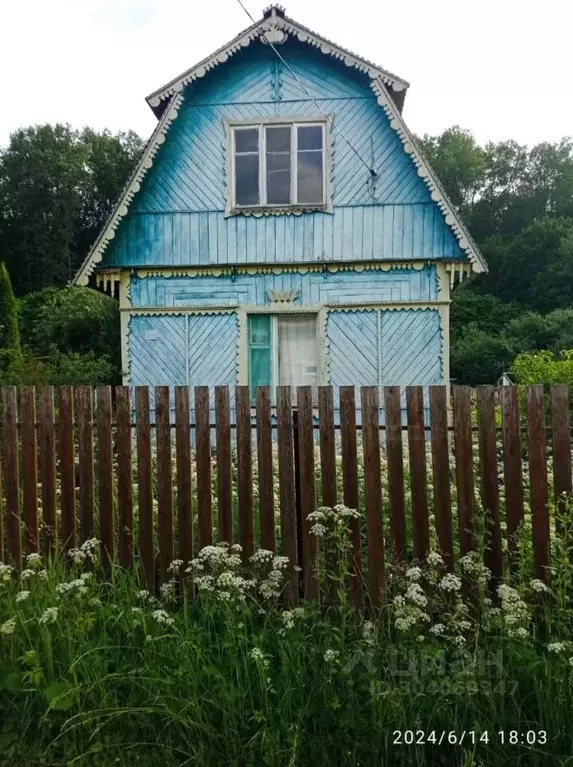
[319,311]
[277,122]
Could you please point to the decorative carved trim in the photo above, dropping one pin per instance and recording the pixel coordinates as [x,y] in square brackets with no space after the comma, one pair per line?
[124,317]
[242,348]
[426,173]
[134,184]
[322,342]
[279,308]
[282,296]
[255,269]
[272,26]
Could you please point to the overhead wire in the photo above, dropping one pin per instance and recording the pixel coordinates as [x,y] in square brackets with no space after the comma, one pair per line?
[371,171]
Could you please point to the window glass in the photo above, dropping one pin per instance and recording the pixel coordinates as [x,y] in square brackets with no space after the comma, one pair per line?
[310,165]
[309,137]
[278,141]
[297,350]
[260,353]
[247,166]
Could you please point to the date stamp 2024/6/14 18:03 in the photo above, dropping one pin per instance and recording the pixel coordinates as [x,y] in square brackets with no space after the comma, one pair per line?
[469,737]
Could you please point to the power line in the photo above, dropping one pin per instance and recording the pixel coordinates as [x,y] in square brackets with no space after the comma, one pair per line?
[370,170]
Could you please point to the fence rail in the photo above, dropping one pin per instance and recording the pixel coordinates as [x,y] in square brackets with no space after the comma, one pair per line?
[75,463]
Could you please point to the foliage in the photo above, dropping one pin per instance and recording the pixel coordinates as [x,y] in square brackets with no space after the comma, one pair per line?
[544,368]
[91,668]
[479,357]
[57,187]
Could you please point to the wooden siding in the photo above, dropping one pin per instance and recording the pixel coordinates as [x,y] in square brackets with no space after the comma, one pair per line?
[399,285]
[400,347]
[178,218]
[185,350]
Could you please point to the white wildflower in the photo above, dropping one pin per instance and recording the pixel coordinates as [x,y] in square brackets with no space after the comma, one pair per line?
[538,586]
[26,574]
[8,627]
[416,595]
[34,561]
[6,572]
[438,629]
[21,596]
[435,559]
[318,530]
[288,619]
[262,557]
[450,582]
[556,647]
[414,574]
[331,656]
[50,615]
[175,566]
[160,616]
[167,590]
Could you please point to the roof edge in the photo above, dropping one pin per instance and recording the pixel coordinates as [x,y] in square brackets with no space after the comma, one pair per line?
[428,175]
[121,207]
[273,28]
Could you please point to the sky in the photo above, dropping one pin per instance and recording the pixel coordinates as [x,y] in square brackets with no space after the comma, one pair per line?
[501,68]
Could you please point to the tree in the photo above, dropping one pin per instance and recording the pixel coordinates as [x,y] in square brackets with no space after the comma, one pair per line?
[479,357]
[9,333]
[57,187]
[72,321]
[458,161]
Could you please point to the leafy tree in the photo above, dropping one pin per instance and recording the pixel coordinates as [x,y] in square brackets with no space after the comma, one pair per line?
[9,333]
[544,367]
[479,357]
[458,161]
[56,189]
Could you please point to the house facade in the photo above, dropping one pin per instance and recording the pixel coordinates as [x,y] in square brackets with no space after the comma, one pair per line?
[282,226]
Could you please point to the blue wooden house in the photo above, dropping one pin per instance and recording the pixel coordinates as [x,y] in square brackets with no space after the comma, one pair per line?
[282,226]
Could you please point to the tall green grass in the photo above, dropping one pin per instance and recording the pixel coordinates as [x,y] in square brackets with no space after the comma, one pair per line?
[97,672]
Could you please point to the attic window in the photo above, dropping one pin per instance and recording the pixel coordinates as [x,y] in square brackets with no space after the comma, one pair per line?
[278,165]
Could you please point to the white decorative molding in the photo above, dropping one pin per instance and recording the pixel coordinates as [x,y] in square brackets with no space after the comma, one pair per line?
[124,317]
[459,270]
[322,342]
[134,184]
[439,196]
[282,296]
[242,347]
[271,27]
[262,268]
[108,280]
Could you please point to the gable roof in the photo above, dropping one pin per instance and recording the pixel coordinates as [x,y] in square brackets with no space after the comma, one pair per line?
[274,27]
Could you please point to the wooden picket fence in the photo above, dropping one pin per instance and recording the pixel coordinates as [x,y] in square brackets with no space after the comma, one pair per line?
[56,489]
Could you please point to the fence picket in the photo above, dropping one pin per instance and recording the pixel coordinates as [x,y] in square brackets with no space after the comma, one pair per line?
[124,475]
[224,466]
[29,468]
[164,481]
[105,473]
[47,446]
[512,466]
[203,462]
[265,469]
[441,473]
[373,493]
[183,461]
[489,484]
[307,489]
[327,445]
[145,489]
[11,474]
[83,404]
[464,467]
[417,452]
[538,481]
[245,470]
[395,458]
[350,489]
[67,467]
[561,452]
[287,491]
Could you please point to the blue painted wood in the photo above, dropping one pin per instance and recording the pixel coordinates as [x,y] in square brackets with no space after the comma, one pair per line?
[366,287]
[178,215]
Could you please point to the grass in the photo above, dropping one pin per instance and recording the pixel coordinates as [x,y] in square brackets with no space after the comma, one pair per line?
[95,671]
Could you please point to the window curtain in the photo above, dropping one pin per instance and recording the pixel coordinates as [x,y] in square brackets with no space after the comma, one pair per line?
[297,351]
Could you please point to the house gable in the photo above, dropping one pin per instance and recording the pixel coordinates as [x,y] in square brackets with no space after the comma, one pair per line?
[175,212]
